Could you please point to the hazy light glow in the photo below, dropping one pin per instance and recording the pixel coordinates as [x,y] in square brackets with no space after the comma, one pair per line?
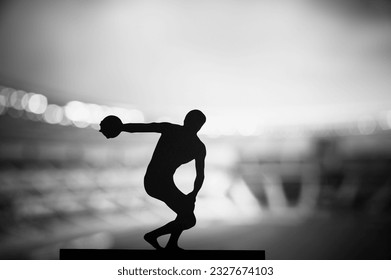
[25,101]
[37,103]
[289,56]
[16,99]
[228,122]
[6,93]
[83,114]
[96,113]
[77,111]
[248,129]
[127,115]
[54,114]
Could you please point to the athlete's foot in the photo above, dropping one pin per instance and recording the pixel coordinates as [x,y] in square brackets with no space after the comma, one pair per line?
[151,239]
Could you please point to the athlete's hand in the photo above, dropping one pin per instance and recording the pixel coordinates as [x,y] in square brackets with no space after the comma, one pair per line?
[111,126]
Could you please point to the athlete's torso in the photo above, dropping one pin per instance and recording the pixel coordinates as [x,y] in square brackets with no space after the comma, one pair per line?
[175,147]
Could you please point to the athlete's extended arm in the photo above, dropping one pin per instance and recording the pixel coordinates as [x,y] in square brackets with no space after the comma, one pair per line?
[145,127]
[111,126]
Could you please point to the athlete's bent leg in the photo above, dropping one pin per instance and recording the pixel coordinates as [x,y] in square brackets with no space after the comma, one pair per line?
[180,204]
[183,222]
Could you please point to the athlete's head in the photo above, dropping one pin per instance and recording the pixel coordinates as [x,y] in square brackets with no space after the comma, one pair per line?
[194,120]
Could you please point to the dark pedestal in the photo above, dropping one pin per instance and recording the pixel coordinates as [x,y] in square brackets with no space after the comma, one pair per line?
[122,254]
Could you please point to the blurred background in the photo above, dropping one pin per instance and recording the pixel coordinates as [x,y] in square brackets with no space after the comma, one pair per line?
[298,105]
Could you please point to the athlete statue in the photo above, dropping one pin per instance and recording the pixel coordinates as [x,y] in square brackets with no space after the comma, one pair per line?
[178,144]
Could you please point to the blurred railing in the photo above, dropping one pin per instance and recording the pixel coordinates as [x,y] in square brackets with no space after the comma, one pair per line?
[341,175]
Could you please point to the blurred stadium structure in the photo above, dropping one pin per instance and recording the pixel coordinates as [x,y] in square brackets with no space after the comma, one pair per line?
[64,185]
[296,93]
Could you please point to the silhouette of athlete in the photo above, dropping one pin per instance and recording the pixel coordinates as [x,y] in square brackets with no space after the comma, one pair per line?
[178,144]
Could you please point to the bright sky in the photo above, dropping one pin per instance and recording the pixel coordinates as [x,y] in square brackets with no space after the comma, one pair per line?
[282,61]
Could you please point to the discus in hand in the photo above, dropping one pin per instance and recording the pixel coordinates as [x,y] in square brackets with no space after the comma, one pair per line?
[111,126]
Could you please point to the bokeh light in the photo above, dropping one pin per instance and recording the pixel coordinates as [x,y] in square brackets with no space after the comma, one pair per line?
[37,103]
[54,114]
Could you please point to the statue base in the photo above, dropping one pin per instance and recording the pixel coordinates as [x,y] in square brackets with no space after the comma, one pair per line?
[127,254]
